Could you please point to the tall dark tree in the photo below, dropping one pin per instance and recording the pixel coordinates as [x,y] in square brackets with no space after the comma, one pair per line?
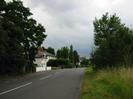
[63,53]
[75,57]
[32,33]
[20,35]
[3,38]
[71,54]
[84,62]
[2,6]
[112,39]
[58,54]
[72,57]
[12,58]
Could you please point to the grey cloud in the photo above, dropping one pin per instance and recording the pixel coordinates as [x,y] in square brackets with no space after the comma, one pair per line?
[71,21]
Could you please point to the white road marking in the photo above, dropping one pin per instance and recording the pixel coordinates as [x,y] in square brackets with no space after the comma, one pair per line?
[56,73]
[45,77]
[15,88]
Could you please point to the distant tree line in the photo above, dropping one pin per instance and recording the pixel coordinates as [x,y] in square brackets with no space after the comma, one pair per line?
[20,35]
[84,62]
[114,42]
[66,57]
[50,50]
[68,54]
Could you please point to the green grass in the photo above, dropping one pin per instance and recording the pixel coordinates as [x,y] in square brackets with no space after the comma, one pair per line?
[108,84]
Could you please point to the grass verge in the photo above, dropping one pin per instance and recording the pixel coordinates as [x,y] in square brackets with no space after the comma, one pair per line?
[108,84]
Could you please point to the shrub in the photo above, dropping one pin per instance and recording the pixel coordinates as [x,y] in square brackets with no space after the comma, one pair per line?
[58,62]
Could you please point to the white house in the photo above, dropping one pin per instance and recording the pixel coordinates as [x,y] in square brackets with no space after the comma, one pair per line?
[42,57]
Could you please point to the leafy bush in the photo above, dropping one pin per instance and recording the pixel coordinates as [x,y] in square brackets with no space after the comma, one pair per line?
[85,62]
[58,62]
[109,30]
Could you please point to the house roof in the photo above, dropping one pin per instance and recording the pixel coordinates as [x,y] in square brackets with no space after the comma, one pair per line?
[41,53]
[49,54]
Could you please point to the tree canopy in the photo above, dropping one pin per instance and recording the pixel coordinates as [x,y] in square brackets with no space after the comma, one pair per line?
[69,54]
[113,40]
[20,35]
[50,50]
[63,53]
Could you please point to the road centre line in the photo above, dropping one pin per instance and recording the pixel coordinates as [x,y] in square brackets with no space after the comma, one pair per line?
[15,88]
[45,77]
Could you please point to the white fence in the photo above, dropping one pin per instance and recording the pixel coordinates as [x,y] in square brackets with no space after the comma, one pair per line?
[38,69]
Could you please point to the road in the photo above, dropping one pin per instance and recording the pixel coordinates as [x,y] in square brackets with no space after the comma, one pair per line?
[57,84]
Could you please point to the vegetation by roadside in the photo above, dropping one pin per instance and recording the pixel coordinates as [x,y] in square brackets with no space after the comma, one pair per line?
[20,36]
[108,84]
[55,68]
[113,43]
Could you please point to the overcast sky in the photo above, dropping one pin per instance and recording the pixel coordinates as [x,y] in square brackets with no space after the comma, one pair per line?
[71,21]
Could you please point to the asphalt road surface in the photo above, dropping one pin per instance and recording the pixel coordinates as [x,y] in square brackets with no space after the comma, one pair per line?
[57,84]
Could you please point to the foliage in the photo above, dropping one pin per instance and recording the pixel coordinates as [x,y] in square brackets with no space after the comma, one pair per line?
[75,57]
[108,32]
[20,36]
[63,53]
[85,62]
[69,54]
[108,84]
[58,63]
[50,50]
